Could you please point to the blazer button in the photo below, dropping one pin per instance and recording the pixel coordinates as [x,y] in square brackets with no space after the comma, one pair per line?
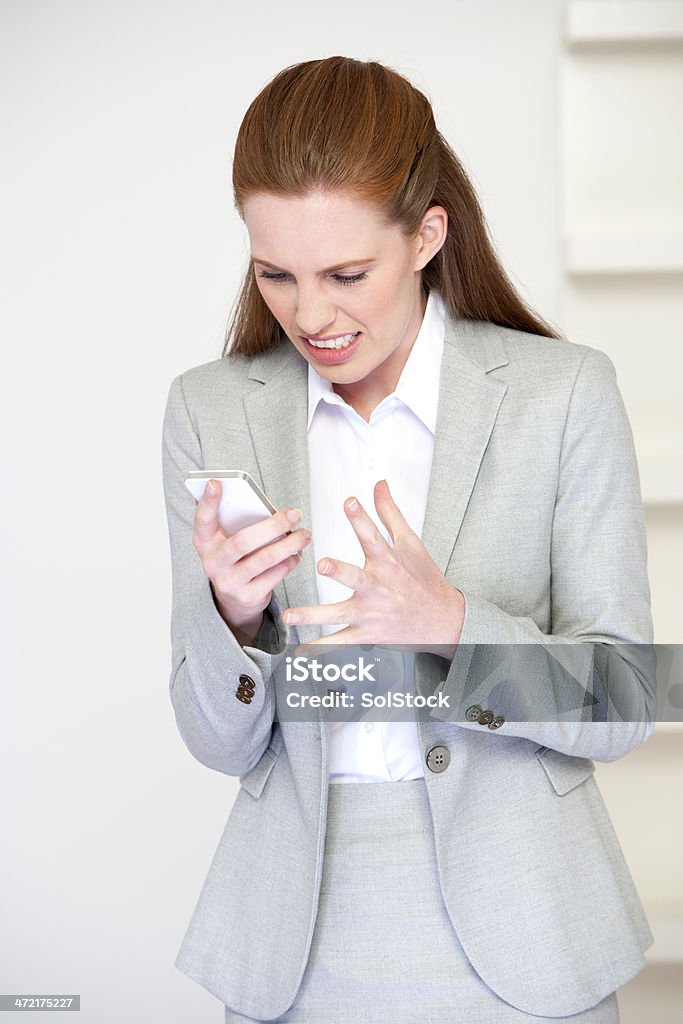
[485,717]
[472,714]
[497,722]
[245,691]
[438,759]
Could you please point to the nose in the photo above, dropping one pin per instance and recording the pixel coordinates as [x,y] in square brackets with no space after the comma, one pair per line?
[315,312]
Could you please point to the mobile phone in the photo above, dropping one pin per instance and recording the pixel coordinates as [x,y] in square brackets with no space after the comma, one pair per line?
[242,503]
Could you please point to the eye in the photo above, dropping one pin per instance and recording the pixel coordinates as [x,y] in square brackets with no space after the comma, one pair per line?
[272,277]
[339,278]
[349,279]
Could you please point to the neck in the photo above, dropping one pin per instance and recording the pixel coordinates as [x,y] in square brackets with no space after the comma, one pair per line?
[366,401]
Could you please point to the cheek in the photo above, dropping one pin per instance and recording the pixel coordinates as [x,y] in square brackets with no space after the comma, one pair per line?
[273,301]
[384,304]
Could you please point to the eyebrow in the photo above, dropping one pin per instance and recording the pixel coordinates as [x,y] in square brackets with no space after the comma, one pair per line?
[337,266]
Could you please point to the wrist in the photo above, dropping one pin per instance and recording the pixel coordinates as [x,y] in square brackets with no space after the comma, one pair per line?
[453,618]
[246,634]
[245,630]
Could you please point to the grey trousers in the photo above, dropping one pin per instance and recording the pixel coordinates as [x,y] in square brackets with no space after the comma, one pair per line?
[384,948]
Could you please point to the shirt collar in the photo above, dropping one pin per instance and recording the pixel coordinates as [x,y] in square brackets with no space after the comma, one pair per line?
[418,385]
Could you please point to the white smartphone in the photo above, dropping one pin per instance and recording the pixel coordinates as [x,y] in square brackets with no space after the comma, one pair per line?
[242,503]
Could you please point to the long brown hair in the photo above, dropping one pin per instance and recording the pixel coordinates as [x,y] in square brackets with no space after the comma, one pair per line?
[363,129]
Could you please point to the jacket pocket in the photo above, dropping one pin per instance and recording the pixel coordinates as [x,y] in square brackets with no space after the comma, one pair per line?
[255,779]
[564,770]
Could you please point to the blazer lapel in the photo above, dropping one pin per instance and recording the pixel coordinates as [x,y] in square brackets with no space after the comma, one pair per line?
[469,401]
[277,415]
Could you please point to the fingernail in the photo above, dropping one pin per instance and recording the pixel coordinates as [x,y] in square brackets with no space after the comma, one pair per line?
[352,505]
[211,488]
[325,566]
[293,515]
[291,618]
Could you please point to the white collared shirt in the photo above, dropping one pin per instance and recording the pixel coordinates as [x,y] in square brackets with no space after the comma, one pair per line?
[347,456]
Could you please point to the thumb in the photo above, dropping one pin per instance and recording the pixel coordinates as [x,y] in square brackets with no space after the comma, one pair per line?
[206,512]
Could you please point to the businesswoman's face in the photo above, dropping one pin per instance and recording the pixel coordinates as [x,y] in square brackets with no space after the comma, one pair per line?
[343,284]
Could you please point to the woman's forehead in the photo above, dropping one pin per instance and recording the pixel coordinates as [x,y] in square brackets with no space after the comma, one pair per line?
[314,205]
[332,228]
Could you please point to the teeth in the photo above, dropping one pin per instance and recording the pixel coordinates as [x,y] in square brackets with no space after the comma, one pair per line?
[342,342]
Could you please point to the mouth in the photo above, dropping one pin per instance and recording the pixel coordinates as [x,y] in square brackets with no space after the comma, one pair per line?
[333,350]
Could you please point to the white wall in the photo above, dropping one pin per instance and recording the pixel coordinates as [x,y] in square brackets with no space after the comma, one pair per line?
[121,255]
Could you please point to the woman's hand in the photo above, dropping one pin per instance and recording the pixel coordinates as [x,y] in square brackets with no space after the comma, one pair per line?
[400,598]
[242,578]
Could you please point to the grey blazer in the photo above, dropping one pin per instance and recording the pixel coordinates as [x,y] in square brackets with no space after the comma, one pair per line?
[534,512]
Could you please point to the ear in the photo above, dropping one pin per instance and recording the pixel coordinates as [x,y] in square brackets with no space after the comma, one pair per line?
[431,235]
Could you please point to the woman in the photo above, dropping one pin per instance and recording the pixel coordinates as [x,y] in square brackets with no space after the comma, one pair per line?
[439,457]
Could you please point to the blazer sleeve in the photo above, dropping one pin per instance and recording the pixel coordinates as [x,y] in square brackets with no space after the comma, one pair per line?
[588,688]
[221,730]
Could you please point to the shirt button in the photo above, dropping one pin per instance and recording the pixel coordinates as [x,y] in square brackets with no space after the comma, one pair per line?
[369,727]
